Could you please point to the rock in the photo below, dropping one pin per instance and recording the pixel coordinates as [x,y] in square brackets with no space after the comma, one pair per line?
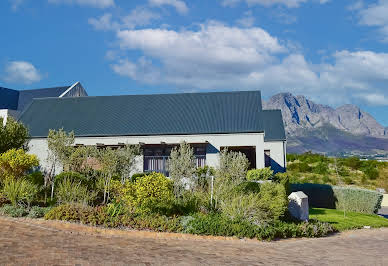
[299,205]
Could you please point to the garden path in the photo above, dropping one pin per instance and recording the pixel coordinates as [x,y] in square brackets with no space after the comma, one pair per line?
[26,241]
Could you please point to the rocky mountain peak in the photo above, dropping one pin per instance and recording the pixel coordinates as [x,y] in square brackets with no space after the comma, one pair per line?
[300,113]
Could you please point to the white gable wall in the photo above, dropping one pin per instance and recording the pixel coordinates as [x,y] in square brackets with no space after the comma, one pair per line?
[38,146]
[278,154]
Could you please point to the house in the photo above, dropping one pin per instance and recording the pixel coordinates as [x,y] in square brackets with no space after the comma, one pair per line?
[14,102]
[209,122]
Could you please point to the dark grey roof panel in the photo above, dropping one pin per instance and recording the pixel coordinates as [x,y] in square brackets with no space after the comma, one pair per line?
[273,125]
[8,99]
[26,96]
[189,113]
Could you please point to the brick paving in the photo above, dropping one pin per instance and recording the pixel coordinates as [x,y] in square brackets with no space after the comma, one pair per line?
[39,242]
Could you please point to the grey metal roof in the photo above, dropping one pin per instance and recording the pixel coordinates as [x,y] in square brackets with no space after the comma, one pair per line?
[8,98]
[163,114]
[26,96]
[19,100]
[273,125]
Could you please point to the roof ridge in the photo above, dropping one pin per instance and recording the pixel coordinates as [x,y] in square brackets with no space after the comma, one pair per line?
[157,94]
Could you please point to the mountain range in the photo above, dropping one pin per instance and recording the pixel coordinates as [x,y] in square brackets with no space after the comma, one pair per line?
[346,130]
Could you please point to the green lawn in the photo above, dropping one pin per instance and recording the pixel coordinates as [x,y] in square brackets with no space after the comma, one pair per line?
[351,220]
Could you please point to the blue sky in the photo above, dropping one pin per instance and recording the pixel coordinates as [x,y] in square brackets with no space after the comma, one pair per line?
[334,52]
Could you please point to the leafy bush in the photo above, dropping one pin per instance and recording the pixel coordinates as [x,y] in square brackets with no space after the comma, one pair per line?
[73,177]
[77,213]
[137,176]
[13,135]
[300,167]
[182,167]
[268,205]
[321,168]
[100,216]
[219,225]
[281,229]
[19,191]
[352,162]
[153,191]
[371,172]
[15,163]
[284,179]
[335,197]
[260,174]
[37,212]
[69,191]
[13,211]
[233,166]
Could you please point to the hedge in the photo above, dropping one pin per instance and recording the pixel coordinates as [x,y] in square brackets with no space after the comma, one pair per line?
[341,198]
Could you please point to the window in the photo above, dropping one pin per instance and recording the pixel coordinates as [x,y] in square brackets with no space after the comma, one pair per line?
[267,158]
[156,157]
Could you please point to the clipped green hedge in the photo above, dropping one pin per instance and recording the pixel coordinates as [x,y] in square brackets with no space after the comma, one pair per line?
[341,198]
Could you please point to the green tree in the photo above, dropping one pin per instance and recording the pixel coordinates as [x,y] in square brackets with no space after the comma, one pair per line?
[182,168]
[59,144]
[13,135]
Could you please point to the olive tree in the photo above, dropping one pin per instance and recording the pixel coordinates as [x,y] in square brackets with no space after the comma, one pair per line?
[59,144]
[182,168]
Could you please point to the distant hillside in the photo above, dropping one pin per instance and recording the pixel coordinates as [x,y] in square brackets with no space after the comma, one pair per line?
[321,128]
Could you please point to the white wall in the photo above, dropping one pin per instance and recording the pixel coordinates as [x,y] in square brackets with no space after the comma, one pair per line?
[278,154]
[5,113]
[38,146]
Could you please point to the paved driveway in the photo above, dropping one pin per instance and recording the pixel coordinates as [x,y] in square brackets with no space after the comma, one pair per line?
[46,242]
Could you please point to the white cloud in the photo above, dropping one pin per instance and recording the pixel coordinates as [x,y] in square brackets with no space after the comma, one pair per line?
[247,20]
[267,3]
[21,72]
[91,3]
[15,4]
[216,56]
[179,5]
[137,17]
[376,15]
[375,98]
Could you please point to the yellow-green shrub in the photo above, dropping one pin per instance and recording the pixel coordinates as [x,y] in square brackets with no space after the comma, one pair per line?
[15,163]
[260,174]
[146,194]
[152,191]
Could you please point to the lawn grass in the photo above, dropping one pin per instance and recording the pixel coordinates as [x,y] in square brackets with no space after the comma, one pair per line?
[351,220]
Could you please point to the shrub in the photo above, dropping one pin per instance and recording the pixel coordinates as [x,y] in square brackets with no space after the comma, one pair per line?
[260,174]
[182,167]
[300,167]
[137,176]
[266,206]
[13,211]
[153,191]
[203,175]
[321,168]
[13,135]
[73,177]
[353,162]
[233,166]
[15,163]
[282,229]
[335,197]
[219,225]
[38,212]
[77,213]
[68,191]
[371,172]
[19,191]
[284,179]
[36,178]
